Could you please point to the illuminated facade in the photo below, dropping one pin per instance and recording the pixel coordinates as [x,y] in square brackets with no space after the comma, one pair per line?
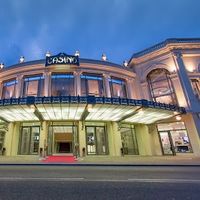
[66,104]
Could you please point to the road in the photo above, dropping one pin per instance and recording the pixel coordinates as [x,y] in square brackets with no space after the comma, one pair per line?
[84,182]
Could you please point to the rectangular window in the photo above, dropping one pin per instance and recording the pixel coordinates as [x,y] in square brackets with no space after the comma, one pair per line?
[33,86]
[62,85]
[92,85]
[9,89]
[96,140]
[118,88]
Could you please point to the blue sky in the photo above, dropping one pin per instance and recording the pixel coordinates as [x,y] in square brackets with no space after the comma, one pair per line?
[118,28]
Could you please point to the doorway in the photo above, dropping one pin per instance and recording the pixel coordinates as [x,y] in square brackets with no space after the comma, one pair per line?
[29,140]
[62,139]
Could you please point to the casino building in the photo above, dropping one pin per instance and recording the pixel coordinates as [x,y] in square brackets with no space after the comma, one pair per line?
[66,104]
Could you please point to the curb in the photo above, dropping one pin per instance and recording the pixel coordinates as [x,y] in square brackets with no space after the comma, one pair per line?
[99,165]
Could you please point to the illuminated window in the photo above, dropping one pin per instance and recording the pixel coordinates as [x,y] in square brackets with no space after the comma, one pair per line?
[118,88]
[92,85]
[196,87]
[161,86]
[33,86]
[174,138]
[9,89]
[62,85]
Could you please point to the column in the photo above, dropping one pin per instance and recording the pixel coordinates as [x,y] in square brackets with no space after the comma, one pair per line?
[77,85]
[107,85]
[15,139]
[129,87]
[47,82]
[82,139]
[111,143]
[43,137]
[8,139]
[117,139]
[19,86]
[143,139]
[1,89]
[185,81]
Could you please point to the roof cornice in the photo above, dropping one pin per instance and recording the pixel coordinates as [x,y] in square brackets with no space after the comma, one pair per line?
[167,45]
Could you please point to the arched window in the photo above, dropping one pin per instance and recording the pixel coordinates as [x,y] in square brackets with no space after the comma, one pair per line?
[160,85]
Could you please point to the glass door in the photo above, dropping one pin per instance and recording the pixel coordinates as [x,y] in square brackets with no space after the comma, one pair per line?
[29,142]
[129,142]
[166,142]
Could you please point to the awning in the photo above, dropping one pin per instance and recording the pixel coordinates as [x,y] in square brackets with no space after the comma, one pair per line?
[88,108]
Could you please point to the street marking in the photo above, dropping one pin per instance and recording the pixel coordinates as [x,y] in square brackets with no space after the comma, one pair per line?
[165,180]
[40,179]
[98,180]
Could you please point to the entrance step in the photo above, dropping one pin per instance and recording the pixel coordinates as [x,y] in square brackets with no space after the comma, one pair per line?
[60,159]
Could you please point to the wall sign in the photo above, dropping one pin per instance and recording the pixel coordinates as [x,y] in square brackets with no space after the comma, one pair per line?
[62,59]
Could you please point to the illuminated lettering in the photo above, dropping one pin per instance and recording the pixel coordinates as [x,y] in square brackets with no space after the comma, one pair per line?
[62,59]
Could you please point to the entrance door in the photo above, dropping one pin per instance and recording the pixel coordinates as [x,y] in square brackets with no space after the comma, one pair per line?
[166,142]
[62,139]
[29,142]
[129,142]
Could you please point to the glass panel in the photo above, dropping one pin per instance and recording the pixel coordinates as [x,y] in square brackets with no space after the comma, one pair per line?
[160,85]
[33,86]
[129,142]
[118,88]
[165,141]
[62,85]
[25,140]
[35,137]
[91,85]
[181,141]
[196,87]
[9,89]
[101,140]
[91,140]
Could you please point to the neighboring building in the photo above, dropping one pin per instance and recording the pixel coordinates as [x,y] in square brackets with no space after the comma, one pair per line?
[67,104]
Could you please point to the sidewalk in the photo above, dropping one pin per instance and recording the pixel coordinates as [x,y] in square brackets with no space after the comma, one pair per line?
[105,160]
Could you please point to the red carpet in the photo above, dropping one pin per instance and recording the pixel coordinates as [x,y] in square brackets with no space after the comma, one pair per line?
[60,159]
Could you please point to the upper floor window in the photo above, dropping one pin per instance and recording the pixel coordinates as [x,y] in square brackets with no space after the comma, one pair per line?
[118,87]
[92,85]
[62,85]
[196,87]
[33,86]
[9,89]
[160,85]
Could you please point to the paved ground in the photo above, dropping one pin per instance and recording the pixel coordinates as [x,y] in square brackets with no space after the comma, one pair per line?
[126,160]
[86,182]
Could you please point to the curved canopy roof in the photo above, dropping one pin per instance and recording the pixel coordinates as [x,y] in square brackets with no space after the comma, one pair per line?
[88,108]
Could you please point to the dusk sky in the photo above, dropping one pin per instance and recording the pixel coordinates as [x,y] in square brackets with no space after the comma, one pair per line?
[117,28]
